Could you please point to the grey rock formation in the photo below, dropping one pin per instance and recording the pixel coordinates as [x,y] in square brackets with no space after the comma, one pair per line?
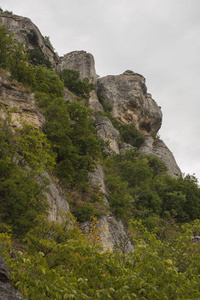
[127,95]
[7,292]
[97,178]
[57,201]
[108,133]
[111,230]
[80,61]
[112,234]
[26,32]
[158,148]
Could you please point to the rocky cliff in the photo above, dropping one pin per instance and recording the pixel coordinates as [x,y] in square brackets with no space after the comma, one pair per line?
[26,32]
[25,109]
[125,94]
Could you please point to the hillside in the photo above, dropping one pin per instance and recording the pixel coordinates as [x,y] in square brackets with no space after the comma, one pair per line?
[93,204]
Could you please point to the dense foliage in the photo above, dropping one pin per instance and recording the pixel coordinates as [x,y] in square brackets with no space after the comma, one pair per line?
[140,187]
[24,156]
[50,260]
[60,263]
[37,58]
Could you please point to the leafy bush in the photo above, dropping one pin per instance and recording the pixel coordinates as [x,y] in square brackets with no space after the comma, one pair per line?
[139,187]
[84,211]
[60,263]
[37,58]
[11,53]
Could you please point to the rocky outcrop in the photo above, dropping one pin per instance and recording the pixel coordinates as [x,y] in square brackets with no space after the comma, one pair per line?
[23,103]
[26,32]
[97,178]
[130,103]
[111,233]
[111,230]
[80,61]
[57,201]
[7,292]
[158,148]
[108,133]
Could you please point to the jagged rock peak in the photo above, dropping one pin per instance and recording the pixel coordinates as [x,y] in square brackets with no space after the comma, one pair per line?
[127,95]
[130,72]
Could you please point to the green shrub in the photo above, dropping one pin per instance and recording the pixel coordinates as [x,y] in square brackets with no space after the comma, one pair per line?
[37,58]
[24,157]
[81,88]
[84,211]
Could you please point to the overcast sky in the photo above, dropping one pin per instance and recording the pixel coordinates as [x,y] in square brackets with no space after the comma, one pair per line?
[159,39]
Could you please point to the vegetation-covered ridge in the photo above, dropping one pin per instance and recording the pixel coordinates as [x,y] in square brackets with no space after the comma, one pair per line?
[48,260]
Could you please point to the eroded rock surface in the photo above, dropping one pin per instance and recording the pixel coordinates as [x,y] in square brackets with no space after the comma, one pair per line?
[112,234]
[111,230]
[80,61]
[130,103]
[108,133]
[57,201]
[7,292]
[158,148]
[97,178]
[12,96]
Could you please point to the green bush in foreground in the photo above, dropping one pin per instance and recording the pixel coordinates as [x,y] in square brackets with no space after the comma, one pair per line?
[60,263]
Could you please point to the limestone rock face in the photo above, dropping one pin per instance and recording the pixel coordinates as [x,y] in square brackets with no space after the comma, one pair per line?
[56,200]
[7,292]
[113,235]
[130,103]
[97,178]
[26,32]
[108,133]
[80,61]
[24,103]
[159,149]
[111,229]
